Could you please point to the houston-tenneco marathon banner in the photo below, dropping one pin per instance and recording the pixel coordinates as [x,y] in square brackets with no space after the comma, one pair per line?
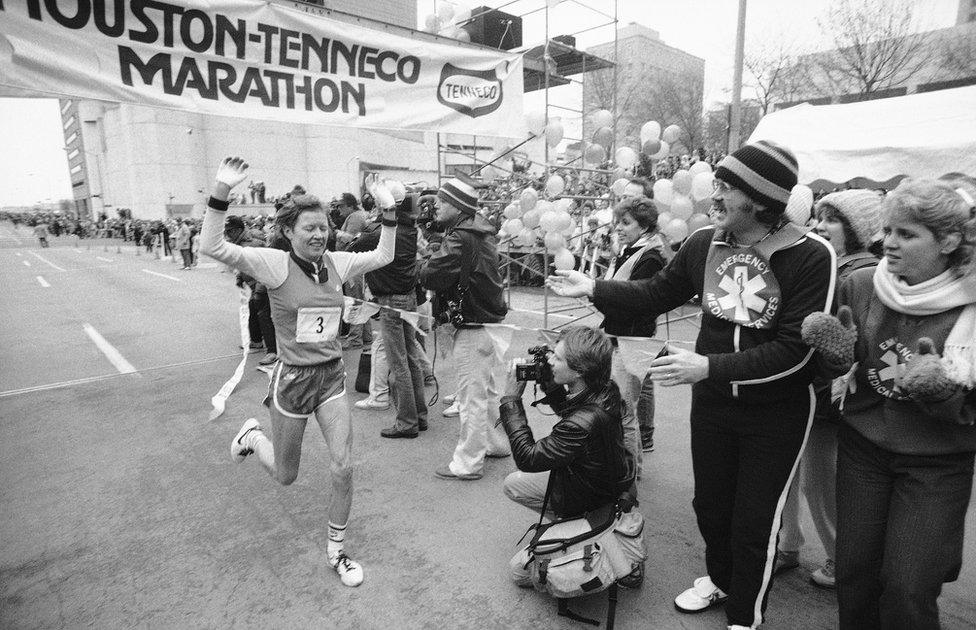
[254,59]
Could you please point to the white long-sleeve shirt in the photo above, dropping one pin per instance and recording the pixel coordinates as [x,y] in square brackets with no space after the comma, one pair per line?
[270,266]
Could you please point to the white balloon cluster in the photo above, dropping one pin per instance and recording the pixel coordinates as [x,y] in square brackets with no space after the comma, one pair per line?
[684,200]
[531,218]
[445,21]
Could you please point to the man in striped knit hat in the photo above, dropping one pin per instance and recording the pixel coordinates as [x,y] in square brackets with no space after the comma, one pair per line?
[465,272]
[752,403]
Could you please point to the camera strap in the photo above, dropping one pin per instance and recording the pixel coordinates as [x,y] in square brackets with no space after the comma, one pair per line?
[545,500]
[465,279]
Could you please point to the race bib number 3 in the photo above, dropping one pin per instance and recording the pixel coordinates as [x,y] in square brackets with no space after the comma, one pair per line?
[316,325]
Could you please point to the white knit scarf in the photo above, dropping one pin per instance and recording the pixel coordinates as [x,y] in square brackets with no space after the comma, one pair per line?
[938,295]
[646,242]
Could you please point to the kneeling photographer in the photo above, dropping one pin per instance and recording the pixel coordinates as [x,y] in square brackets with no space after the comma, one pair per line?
[584,458]
[580,475]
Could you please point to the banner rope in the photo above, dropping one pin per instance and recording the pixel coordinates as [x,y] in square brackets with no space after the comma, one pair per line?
[636,352]
[219,400]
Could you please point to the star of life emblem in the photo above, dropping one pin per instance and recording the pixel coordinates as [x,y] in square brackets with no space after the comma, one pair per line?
[889,366]
[742,293]
[741,288]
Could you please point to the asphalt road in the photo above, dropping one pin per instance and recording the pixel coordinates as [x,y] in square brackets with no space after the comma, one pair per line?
[120,507]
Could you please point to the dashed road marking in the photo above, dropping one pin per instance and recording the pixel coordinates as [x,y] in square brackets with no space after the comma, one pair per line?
[162,275]
[43,282]
[45,260]
[26,264]
[103,259]
[114,356]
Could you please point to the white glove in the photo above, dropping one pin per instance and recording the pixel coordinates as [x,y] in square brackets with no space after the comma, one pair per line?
[232,171]
[381,194]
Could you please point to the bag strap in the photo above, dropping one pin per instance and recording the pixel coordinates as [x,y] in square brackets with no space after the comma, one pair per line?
[563,611]
[545,500]
[611,605]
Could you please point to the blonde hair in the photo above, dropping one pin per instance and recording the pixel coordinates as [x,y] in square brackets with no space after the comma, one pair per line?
[936,205]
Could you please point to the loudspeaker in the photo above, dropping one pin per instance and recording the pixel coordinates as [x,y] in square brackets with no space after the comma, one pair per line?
[491,27]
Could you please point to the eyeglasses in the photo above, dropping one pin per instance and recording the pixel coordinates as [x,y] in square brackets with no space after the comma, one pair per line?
[722,187]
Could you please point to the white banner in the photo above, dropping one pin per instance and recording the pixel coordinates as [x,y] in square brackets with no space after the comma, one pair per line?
[255,59]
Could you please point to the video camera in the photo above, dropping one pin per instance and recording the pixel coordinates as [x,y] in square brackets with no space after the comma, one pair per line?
[426,210]
[538,369]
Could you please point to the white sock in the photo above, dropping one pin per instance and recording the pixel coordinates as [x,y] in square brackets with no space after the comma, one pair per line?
[337,534]
[261,444]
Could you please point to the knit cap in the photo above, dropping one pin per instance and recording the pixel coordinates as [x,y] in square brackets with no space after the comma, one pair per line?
[763,170]
[459,194]
[861,209]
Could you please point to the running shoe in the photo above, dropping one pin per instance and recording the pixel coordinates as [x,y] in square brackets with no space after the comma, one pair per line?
[239,448]
[824,576]
[350,571]
[702,596]
[453,411]
[269,359]
[371,403]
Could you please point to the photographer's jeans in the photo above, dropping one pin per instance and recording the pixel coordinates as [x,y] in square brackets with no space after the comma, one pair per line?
[404,355]
[638,397]
[479,376]
[528,489]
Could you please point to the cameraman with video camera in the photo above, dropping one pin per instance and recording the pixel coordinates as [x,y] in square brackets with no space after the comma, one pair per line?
[465,276]
[584,459]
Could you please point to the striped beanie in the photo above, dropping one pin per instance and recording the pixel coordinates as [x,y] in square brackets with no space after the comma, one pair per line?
[459,194]
[763,170]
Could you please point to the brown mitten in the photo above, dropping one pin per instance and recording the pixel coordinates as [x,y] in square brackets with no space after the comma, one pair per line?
[833,337]
[924,378]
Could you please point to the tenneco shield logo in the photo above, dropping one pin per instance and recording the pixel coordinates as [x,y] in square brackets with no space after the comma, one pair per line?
[472,92]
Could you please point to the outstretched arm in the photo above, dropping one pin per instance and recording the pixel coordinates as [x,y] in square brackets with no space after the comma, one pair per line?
[350,264]
[267,266]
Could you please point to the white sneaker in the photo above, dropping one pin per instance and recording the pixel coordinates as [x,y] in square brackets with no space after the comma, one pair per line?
[240,447]
[453,411]
[702,596]
[371,403]
[350,571]
[449,400]
[824,576]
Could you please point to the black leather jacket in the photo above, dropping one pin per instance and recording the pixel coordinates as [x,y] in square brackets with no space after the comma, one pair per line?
[585,451]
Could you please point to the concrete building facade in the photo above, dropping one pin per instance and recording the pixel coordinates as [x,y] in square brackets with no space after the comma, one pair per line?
[646,66]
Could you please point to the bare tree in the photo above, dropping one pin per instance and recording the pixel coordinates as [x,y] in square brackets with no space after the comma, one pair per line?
[599,87]
[645,93]
[876,42]
[958,58]
[678,100]
[777,75]
[715,131]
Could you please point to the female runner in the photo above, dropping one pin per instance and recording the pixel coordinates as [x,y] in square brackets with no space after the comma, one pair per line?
[305,290]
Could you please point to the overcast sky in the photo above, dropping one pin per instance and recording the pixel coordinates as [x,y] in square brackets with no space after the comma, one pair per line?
[33,166]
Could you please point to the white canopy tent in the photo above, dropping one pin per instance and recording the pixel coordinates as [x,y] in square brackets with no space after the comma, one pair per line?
[919,135]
